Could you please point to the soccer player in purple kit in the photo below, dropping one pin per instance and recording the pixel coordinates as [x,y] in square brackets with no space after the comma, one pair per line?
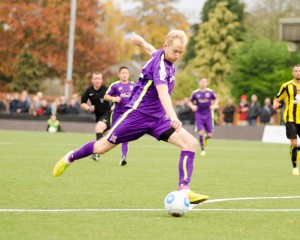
[150,111]
[203,102]
[118,93]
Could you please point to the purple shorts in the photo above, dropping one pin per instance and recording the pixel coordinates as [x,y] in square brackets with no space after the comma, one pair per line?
[133,124]
[204,122]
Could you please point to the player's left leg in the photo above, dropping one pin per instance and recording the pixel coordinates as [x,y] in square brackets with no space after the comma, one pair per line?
[293,155]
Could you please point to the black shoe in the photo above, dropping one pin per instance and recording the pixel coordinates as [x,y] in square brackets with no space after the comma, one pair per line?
[123,162]
[95,157]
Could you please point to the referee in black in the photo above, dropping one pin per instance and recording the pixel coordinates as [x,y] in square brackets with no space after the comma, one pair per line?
[99,106]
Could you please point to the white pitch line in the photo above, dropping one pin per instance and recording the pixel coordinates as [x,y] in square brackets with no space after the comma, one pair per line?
[156,209]
[246,210]
[250,198]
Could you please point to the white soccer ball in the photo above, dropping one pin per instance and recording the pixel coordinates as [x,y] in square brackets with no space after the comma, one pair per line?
[52,130]
[177,203]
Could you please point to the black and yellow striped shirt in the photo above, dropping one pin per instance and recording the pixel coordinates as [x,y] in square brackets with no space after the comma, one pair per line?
[290,93]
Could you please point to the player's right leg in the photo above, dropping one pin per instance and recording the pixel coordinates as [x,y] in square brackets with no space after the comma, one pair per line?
[89,148]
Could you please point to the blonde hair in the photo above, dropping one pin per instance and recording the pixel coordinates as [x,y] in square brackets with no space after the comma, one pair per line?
[176,34]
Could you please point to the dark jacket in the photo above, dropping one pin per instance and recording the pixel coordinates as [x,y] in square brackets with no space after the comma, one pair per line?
[254,110]
[228,112]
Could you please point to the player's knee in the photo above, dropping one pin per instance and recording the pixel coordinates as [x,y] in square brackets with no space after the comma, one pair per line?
[191,144]
[102,146]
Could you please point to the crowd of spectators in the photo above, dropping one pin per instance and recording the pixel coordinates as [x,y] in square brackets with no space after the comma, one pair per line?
[38,105]
[243,114]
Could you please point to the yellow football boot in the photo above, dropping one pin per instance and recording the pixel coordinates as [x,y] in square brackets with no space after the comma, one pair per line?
[61,165]
[196,198]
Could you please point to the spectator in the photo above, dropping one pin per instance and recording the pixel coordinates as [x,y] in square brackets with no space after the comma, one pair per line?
[62,108]
[228,112]
[53,125]
[7,101]
[73,108]
[2,104]
[35,105]
[267,112]
[243,111]
[40,96]
[44,109]
[254,111]
[14,103]
[22,104]
[186,114]
[24,95]
[55,105]
[77,102]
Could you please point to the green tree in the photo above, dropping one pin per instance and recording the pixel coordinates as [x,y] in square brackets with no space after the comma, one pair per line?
[260,67]
[214,42]
[27,73]
[234,6]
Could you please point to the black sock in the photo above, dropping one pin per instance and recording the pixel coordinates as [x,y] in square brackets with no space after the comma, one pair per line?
[99,135]
[293,154]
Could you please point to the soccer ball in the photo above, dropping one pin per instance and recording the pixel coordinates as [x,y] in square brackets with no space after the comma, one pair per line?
[52,130]
[177,203]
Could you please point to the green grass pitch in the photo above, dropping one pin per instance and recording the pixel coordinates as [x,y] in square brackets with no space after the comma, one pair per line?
[100,200]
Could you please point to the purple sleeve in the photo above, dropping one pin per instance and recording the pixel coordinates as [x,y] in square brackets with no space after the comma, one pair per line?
[192,98]
[111,90]
[159,70]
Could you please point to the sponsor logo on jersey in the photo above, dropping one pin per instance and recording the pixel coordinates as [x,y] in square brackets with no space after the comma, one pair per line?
[297,98]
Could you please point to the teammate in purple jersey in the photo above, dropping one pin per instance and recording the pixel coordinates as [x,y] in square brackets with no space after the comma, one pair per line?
[203,102]
[150,111]
[118,93]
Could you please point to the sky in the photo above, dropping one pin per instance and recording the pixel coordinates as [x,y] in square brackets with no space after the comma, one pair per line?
[191,8]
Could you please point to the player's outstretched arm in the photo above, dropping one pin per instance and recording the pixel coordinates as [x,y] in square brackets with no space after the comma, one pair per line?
[166,102]
[139,41]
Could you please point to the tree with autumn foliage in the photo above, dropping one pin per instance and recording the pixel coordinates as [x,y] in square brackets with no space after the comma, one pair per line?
[154,19]
[43,28]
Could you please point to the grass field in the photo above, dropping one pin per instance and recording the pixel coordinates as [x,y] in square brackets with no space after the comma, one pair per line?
[100,200]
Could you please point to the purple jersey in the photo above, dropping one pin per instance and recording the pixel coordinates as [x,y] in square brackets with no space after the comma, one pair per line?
[123,90]
[203,100]
[144,98]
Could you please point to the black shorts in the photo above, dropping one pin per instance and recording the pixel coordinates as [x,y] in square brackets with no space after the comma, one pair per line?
[105,117]
[292,130]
